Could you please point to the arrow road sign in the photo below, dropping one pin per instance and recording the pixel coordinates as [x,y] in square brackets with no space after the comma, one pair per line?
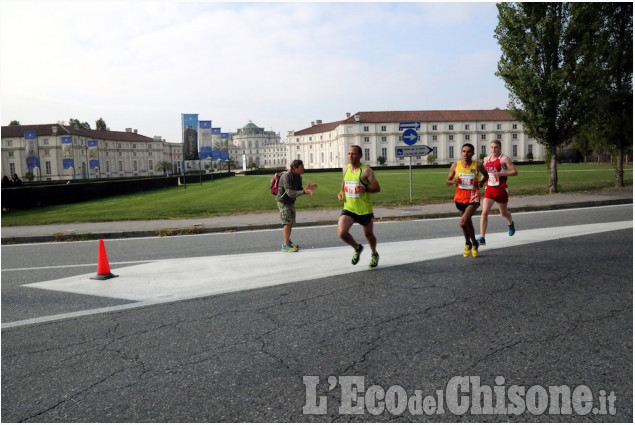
[421,150]
[410,136]
[409,124]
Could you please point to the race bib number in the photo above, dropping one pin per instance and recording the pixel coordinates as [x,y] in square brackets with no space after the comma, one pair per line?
[351,189]
[466,181]
[493,180]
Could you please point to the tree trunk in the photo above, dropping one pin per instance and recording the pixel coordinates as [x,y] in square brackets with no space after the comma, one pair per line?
[553,174]
[619,167]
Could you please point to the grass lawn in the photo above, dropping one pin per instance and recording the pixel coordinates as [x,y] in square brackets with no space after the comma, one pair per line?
[246,194]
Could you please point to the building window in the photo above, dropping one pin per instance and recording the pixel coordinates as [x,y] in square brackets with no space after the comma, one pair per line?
[530,148]
[514,126]
[484,150]
[515,150]
[120,166]
[514,136]
[434,152]
[467,126]
[467,137]
[383,138]
[434,127]
[45,142]
[366,139]
[499,136]
[134,165]
[451,137]
[451,152]
[384,152]
[383,128]
[483,126]
[434,138]
[9,143]
[366,154]
[499,127]
[366,129]
[150,167]
[483,137]
[11,167]
[311,158]
[108,166]
[451,127]
[47,152]
[11,154]
[47,166]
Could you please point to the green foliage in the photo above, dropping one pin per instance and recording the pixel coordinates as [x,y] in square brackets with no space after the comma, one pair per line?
[29,176]
[75,122]
[100,124]
[14,122]
[381,160]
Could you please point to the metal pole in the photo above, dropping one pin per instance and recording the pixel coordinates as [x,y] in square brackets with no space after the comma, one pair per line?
[410,168]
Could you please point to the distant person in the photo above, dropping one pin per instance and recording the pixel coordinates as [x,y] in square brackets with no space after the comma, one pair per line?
[6,182]
[357,184]
[15,180]
[464,174]
[499,167]
[290,188]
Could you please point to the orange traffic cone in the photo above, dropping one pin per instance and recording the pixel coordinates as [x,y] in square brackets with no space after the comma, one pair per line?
[103,268]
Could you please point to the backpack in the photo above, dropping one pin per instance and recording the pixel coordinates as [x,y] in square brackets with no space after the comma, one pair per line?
[273,186]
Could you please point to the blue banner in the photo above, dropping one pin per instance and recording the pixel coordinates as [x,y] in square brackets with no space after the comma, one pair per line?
[215,130]
[67,152]
[32,160]
[224,135]
[190,136]
[205,124]
[93,154]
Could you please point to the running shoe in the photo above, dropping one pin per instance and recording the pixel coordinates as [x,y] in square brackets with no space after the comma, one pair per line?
[374,260]
[481,240]
[289,248]
[294,245]
[358,251]
[475,250]
[466,251]
[511,229]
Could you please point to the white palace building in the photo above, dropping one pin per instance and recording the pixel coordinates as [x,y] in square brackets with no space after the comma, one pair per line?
[325,145]
[63,152]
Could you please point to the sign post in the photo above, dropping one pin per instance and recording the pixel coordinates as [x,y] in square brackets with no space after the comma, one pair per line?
[410,138]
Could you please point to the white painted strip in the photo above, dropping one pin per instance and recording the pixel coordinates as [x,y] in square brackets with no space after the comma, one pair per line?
[171,280]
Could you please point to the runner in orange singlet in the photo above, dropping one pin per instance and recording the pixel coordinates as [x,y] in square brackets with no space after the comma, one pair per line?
[467,196]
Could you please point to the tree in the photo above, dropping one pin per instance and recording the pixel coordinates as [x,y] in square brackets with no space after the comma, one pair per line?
[165,166]
[605,34]
[100,124]
[381,160]
[74,122]
[14,122]
[539,68]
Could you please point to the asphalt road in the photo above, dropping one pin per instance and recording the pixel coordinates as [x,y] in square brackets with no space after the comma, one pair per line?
[547,314]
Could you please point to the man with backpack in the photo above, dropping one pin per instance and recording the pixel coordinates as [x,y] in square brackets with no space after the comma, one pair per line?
[289,187]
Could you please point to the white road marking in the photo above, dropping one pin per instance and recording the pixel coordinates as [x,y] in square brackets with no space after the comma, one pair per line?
[165,281]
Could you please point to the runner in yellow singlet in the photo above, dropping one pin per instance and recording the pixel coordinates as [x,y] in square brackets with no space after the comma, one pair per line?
[357,184]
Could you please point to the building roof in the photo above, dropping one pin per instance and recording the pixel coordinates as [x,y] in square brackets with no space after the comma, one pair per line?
[17,131]
[406,116]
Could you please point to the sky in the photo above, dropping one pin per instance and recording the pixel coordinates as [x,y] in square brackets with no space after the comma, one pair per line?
[141,64]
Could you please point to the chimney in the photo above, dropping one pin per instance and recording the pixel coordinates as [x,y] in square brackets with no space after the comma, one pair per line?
[135,131]
[348,115]
[319,121]
[54,130]
[356,117]
[128,130]
[312,123]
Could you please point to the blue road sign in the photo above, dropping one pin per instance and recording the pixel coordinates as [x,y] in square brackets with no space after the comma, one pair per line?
[410,124]
[410,136]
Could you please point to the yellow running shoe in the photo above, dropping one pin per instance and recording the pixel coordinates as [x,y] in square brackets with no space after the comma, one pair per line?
[466,252]
[475,250]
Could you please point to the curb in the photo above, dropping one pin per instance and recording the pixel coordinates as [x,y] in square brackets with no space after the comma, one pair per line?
[74,237]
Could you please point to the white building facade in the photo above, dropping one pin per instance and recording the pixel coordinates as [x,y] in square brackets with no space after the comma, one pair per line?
[260,147]
[325,145]
[68,153]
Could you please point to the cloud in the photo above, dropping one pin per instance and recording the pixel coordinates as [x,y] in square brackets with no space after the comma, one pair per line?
[141,64]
